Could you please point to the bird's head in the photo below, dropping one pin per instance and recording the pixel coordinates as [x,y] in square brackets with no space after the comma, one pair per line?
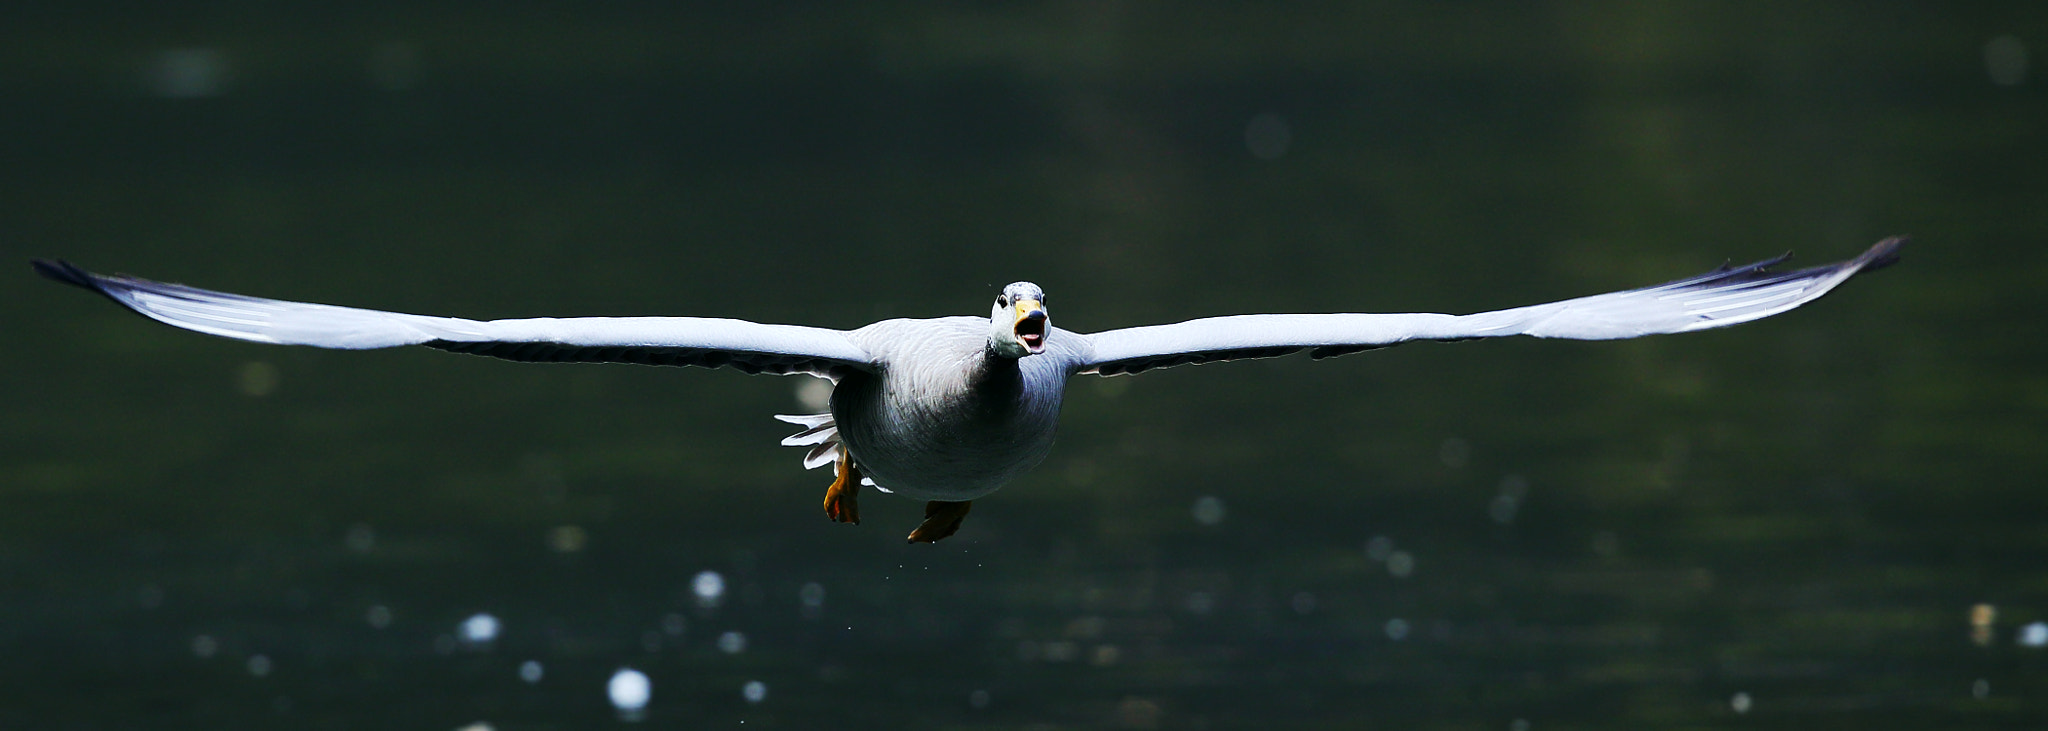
[1018,324]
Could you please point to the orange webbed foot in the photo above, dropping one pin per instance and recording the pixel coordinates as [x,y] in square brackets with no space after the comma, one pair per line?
[941,519]
[842,499]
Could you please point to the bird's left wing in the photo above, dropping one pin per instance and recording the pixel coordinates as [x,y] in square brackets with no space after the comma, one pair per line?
[1723,297]
[677,341]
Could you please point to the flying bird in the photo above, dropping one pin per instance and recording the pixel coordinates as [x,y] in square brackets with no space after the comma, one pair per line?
[948,410]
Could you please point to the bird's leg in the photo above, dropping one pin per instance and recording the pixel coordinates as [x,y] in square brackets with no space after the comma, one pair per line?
[941,519]
[842,499]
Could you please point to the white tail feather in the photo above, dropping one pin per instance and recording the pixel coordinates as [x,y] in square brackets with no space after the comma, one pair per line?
[821,455]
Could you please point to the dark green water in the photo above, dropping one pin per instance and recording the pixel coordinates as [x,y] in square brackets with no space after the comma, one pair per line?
[1781,525]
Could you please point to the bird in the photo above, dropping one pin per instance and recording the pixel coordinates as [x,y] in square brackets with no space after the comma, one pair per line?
[948,410]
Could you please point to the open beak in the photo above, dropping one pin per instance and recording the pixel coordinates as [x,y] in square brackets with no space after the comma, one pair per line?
[1031,324]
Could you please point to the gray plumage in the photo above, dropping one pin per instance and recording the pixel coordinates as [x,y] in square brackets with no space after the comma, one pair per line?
[952,408]
[945,420]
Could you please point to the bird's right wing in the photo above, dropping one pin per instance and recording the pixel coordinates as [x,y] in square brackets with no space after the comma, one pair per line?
[677,341]
[1719,298]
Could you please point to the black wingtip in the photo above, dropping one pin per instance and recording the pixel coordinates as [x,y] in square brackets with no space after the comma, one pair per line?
[1882,254]
[63,271]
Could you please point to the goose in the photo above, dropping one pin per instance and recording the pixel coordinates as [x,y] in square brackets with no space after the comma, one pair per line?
[948,410]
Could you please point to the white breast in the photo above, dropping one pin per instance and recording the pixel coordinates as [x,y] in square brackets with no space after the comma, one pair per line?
[926,427]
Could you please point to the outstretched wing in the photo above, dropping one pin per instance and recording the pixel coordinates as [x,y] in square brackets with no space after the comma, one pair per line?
[1723,297]
[675,341]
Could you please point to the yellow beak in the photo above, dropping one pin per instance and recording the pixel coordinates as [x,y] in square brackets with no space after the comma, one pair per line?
[1030,325]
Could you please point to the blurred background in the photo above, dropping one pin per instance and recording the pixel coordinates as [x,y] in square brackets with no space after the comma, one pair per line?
[1830,519]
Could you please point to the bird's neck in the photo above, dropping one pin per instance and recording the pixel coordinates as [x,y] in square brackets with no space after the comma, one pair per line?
[996,378]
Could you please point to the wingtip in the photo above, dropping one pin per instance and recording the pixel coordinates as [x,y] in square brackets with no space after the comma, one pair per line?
[59,270]
[63,271]
[1882,254]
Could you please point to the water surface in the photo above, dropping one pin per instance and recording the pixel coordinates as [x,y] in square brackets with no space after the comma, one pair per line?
[1831,519]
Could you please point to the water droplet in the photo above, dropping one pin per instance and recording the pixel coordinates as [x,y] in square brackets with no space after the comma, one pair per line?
[1303,602]
[978,700]
[259,666]
[629,692]
[1379,548]
[674,625]
[754,691]
[204,646]
[709,588]
[1397,629]
[732,643]
[531,671]
[379,616]
[1209,510]
[1400,564]
[481,628]
[1740,703]
[812,595]
[2034,635]
[1981,689]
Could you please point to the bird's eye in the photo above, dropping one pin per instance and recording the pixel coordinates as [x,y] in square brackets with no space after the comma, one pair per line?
[1002,301]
